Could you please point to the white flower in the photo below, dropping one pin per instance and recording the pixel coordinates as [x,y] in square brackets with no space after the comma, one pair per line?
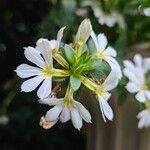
[106,53]
[136,73]
[144,118]
[4,120]
[146,11]
[109,19]
[41,73]
[66,109]
[103,94]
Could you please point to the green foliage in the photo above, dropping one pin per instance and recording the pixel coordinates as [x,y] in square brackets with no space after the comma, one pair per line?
[70,54]
[75,82]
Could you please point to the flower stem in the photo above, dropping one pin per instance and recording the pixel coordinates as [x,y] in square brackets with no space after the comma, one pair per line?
[60,73]
[61,60]
[89,84]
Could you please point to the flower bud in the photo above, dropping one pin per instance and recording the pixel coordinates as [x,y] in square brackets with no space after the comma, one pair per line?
[83,33]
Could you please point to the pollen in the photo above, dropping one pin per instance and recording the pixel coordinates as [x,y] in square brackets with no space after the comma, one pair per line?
[47,71]
[143,87]
[101,91]
[68,102]
[101,54]
[147,104]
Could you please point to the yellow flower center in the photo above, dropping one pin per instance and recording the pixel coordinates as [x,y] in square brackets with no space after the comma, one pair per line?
[101,54]
[147,104]
[68,102]
[143,87]
[47,72]
[101,91]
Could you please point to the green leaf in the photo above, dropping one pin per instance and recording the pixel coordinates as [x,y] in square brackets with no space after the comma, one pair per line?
[75,82]
[70,54]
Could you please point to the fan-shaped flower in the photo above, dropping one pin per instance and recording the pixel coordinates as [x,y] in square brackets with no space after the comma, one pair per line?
[104,95]
[144,118]
[65,109]
[136,74]
[106,53]
[42,73]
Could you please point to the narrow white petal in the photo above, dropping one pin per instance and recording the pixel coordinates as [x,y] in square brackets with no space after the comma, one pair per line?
[107,110]
[147,94]
[111,51]
[31,84]
[138,60]
[34,56]
[146,64]
[76,118]
[107,96]
[45,89]
[93,35]
[102,111]
[112,80]
[83,112]
[140,96]
[51,101]
[60,34]
[114,65]
[129,65]
[26,71]
[45,48]
[53,44]
[102,41]
[131,76]
[141,114]
[141,123]
[53,113]
[65,115]
[144,118]
[132,87]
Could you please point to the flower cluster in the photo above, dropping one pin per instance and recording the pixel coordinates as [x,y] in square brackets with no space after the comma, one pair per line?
[76,64]
[139,84]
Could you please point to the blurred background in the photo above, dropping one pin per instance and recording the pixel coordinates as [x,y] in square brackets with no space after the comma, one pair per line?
[22,23]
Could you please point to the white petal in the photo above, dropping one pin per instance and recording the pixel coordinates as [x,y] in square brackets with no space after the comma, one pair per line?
[45,89]
[138,60]
[146,11]
[111,52]
[34,56]
[131,76]
[53,44]
[93,35]
[129,65]
[141,114]
[51,101]
[102,111]
[53,113]
[102,41]
[60,34]
[31,84]
[76,118]
[132,87]
[114,65]
[107,110]
[65,115]
[26,71]
[147,94]
[112,80]
[83,112]
[45,48]
[146,64]
[140,96]
[141,123]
